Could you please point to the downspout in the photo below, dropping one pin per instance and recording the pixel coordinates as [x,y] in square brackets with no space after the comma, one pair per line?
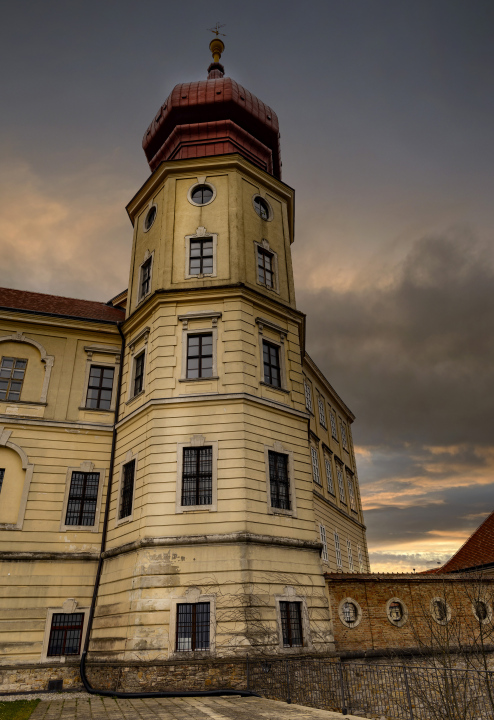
[82,669]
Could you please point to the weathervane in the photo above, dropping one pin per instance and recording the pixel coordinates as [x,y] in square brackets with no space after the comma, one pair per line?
[216,29]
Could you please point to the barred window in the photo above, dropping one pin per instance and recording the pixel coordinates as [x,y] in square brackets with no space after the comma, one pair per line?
[351,493]
[265,272]
[12,372]
[127,490]
[329,475]
[350,613]
[350,554]
[337,547]
[145,278]
[271,360]
[315,466]
[322,533]
[332,419]
[197,476]
[341,486]
[308,396]
[100,386]
[344,439]
[279,481]
[361,566]
[65,634]
[322,413]
[83,498]
[193,626]
[201,256]
[200,355]
[2,475]
[291,624]
[138,374]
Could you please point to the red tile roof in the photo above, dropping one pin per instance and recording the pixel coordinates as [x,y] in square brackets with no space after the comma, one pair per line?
[478,550]
[57,305]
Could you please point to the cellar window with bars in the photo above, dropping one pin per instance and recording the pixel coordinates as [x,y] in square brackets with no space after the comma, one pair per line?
[329,476]
[201,256]
[337,548]
[127,495]
[279,481]
[200,356]
[12,373]
[100,387]
[193,626]
[291,624]
[271,362]
[197,476]
[315,466]
[83,499]
[65,634]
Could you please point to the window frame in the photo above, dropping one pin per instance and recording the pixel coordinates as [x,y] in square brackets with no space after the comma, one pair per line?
[361,564]
[290,595]
[280,335]
[191,596]
[341,613]
[264,247]
[193,637]
[145,215]
[349,552]
[269,344]
[308,396]
[130,457]
[316,472]
[101,351]
[329,477]
[279,449]
[201,181]
[84,467]
[100,387]
[201,234]
[344,436]
[262,197]
[148,260]
[197,441]
[321,404]
[333,422]
[340,477]
[200,356]
[138,347]
[203,317]
[69,607]
[324,540]
[337,549]
[11,379]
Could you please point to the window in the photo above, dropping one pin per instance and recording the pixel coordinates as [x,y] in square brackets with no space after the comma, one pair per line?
[350,554]
[197,476]
[315,466]
[201,256]
[271,360]
[291,624]
[265,273]
[200,356]
[145,278]
[308,396]
[100,387]
[83,498]
[339,475]
[65,634]
[322,533]
[201,194]
[440,611]
[322,414]
[481,610]
[193,626]
[150,218]
[351,494]
[2,475]
[344,440]
[12,371]
[261,207]
[138,374]
[127,495]
[279,481]
[337,547]
[332,419]
[395,611]
[329,475]
[350,613]
[361,566]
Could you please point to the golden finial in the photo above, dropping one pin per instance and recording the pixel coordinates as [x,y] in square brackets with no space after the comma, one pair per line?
[216,45]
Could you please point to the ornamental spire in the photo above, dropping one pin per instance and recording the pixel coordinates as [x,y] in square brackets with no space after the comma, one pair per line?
[217,46]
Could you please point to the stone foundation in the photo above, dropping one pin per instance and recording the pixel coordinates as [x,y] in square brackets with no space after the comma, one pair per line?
[36,678]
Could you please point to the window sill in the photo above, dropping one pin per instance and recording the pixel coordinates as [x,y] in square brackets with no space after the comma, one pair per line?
[196,508]
[275,387]
[79,528]
[123,521]
[201,379]
[266,287]
[201,276]
[131,400]
[24,402]
[99,410]
[280,511]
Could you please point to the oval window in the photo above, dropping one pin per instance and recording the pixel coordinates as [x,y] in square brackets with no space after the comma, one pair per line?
[150,217]
[481,610]
[396,611]
[202,194]
[350,613]
[440,611]
[262,208]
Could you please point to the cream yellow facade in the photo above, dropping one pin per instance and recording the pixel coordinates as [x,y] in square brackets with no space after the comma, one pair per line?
[240,552]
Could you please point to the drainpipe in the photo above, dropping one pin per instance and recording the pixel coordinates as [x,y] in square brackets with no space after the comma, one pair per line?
[82,669]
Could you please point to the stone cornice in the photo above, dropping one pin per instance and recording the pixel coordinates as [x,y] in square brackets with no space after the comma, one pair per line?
[36,556]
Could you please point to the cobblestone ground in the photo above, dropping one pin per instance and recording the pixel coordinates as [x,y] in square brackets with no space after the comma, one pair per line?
[213,708]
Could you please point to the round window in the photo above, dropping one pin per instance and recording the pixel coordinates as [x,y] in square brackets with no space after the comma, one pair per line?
[202,195]
[262,208]
[150,217]
[481,610]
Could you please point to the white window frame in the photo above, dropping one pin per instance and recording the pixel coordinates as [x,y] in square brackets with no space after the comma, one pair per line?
[344,436]
[140,341]
[290,595]
[140,296]
[278,448]
[341,482]
[206,328]
[69,607]
[349,554]
[85,467]
[308,396]
[279,340]
[322,535]
[92,350]
[316,475]
[264,245]
[329,476]
[337,548]
[334,427]
[128,518]
[201,233]
[322,413]
[192,596]
[351,492]
[196,441]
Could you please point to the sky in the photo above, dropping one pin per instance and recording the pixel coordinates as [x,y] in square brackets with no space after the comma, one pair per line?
[386,111]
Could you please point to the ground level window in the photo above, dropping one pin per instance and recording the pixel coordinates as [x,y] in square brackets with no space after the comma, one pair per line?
[83,498]
[65,634]
[291,624]
[193,626]
[197,476]
[279,481]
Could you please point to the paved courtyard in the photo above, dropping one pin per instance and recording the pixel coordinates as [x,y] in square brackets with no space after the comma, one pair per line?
[211,708]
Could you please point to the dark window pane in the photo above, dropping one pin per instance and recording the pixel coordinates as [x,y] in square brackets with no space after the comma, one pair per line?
[197,476]
[2,475]
[193,622]
[200,356]
[202,195]
[271,358]
[65,634]
[201,256]
[127,490]
[83,493]
[261,207]
[139,374]
[99,389]
[291,624]
[12,370]
[279,480]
